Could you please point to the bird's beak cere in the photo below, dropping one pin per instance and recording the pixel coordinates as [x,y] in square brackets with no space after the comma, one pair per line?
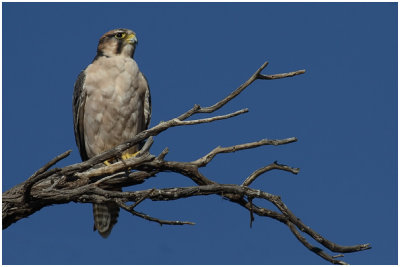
[131,38]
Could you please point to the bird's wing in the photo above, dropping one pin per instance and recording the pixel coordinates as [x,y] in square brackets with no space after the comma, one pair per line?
[147,103]
[78,109]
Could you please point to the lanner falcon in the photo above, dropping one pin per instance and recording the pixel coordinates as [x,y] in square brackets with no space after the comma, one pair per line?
[111,104]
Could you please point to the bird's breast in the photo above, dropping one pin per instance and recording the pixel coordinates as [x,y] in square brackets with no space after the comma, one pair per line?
[114,104]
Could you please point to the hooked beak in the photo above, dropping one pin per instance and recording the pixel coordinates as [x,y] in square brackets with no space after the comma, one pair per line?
[131,38]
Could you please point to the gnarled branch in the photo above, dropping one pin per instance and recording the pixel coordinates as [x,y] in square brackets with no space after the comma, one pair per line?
[92,182]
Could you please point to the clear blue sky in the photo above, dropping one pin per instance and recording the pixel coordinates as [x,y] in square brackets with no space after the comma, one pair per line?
[343,111]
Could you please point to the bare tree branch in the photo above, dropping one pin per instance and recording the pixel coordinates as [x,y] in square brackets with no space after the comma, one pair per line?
[272,166]
[281,75]
[92,182]
[316,250]
[203,161]
[149,218]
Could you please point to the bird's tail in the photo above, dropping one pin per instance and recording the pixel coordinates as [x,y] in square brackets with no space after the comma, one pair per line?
[105,217]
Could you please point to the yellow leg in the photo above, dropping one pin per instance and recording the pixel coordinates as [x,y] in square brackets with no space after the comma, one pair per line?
[126,156]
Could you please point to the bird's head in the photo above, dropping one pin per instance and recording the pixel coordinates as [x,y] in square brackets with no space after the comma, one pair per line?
[117,42]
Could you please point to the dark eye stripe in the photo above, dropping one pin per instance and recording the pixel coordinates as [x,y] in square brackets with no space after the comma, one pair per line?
[113,34]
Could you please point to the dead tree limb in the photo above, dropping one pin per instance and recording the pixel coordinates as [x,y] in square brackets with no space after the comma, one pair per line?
[92,182]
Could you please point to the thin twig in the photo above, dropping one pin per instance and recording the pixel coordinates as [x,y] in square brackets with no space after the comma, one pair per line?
[163,154]
[272,166]
[132,207]
[211,119]
[49,164]
[152,219]
[146,147]
[281,75]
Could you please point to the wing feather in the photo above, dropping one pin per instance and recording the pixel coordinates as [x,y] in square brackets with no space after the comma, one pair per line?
[147,103]
[78,109]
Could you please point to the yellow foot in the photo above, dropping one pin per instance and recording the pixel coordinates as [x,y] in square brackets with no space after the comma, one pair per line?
[126,156]
[107,163]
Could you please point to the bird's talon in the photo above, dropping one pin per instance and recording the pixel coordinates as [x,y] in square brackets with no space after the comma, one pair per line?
[129,155]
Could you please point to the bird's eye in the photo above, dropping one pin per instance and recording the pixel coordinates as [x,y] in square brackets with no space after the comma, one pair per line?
[120,35]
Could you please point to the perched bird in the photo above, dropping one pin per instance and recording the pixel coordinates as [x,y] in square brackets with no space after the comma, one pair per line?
[111,104]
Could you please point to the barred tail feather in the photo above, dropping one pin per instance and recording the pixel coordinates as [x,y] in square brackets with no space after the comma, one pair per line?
[105,217]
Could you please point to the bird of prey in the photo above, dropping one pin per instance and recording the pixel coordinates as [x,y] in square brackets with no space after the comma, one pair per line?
[111,104]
